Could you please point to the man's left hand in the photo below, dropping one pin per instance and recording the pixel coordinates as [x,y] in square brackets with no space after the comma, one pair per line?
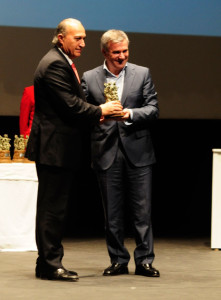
[125,116]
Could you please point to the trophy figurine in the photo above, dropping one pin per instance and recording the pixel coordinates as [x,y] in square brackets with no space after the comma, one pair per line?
[20,144]
[110,93]
[5,156]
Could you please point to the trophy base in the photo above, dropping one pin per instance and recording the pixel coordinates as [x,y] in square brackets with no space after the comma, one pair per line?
[115,116]
[5,156]
[19,156]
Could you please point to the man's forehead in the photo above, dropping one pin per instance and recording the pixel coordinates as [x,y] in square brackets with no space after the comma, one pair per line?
[80,34]
[76,30]
[118,45]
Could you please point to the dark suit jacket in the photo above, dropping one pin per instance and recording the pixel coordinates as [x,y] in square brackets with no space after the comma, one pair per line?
[60,113]
[140,96]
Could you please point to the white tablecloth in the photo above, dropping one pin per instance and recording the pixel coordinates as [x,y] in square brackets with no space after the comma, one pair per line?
[18,195]
[216,201]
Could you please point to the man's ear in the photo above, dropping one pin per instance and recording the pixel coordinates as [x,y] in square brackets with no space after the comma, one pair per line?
[60,38]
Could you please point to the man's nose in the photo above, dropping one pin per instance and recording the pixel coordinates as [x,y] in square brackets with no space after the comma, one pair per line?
[122,56]
[82,44]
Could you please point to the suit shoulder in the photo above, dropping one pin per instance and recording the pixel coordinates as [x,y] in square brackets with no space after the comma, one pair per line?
[53,58]
[29,89]
[93,71]
[138,67]
[53,55]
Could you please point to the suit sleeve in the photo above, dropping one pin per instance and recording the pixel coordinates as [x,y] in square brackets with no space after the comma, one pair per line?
[63,91]
[149,109]
[84,86]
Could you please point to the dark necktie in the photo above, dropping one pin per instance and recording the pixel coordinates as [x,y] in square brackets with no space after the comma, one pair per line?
[75,71]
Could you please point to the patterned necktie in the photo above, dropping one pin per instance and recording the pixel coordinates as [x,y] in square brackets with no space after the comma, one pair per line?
[75,71]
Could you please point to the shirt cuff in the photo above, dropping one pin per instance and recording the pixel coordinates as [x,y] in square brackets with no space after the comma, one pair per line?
[130,120]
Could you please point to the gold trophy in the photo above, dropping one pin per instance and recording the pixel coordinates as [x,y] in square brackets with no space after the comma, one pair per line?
[5,156]
[110,93]
[20,144]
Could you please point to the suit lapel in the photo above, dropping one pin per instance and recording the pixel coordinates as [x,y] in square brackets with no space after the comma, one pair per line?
[128,80]
[100,77]
[64,59]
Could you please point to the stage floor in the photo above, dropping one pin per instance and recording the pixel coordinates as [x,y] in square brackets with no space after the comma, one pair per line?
[189,270]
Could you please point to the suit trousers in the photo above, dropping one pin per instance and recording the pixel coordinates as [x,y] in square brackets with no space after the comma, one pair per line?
[123,184]
[55,184]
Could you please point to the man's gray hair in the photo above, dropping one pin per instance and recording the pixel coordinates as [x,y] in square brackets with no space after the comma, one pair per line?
[62,28]
[114,36]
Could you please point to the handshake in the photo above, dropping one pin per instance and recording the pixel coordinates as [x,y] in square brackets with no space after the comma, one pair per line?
[114,110]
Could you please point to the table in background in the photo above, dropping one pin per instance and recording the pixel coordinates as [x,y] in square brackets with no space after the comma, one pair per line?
[216,201]
[18,196]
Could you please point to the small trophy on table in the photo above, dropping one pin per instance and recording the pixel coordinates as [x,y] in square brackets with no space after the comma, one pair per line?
[5,156]
[110,93]
[20,144]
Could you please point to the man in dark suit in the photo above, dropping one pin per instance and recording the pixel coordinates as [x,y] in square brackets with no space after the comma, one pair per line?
[122,153]
[55,142]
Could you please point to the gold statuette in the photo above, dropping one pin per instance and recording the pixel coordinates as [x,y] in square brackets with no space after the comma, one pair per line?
[5,156]
[20,144]
[110,93]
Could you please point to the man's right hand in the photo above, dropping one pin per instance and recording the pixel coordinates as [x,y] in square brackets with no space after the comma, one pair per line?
[111,108]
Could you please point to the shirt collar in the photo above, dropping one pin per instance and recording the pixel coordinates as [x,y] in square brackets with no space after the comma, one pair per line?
[66,56]
[106,68]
